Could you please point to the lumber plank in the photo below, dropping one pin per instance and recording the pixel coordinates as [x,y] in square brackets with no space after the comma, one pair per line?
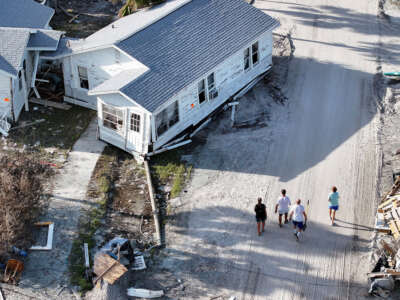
[43,223]
[382,274]
[394,229]
[386,203]
[111,269]
[388,249]
[50,103]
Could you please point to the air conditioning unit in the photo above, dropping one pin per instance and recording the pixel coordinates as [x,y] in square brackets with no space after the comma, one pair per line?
[213,94]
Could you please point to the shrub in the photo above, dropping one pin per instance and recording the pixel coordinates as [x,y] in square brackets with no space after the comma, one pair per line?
[20,199]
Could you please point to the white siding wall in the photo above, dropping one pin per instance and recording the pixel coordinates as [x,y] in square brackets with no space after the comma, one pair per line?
[127,139]
[18,99]
[5,92]
[101,65]
[229,78]
[21,95]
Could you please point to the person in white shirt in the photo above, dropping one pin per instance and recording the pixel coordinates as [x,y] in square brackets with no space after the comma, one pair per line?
[299,216]
[282,206]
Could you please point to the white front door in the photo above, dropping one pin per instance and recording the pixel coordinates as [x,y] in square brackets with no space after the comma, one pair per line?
[135,130]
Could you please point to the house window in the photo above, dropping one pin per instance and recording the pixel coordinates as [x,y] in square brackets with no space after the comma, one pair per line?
[135,122]
[83,78]
[167,118]
[254,52]
[247,58]
[202,91]
[19,80]
[113,118]
[212,91]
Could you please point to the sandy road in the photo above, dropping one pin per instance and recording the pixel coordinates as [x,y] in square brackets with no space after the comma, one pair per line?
[324,135]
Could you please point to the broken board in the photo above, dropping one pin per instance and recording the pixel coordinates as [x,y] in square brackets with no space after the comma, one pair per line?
[111,269]
[394,227]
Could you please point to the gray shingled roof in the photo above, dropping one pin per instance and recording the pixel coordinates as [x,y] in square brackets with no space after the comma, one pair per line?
[44,39]
[188,43]
[24,14]
[13,42]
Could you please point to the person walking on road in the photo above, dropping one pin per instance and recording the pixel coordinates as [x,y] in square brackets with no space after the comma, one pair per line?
[333,200]
[282,207]
[299,216]
[261,215]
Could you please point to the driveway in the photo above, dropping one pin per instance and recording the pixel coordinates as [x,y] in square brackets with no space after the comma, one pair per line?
[324,135]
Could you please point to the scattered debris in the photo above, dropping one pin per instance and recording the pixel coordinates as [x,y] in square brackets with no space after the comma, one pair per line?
[387,223]
[13,271]
[49,244]
[143,293]
[139,263]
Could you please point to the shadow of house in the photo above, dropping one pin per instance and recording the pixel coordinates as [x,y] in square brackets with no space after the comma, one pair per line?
[333,17]
[354,108]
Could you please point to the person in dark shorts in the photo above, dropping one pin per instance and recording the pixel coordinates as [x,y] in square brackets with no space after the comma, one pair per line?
[282,206]
[261,215]
[299,216]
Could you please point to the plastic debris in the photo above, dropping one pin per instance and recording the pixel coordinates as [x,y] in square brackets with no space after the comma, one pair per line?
[143,293]
[139,263]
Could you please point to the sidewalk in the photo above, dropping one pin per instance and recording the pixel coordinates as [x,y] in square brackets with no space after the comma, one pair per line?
[46,272]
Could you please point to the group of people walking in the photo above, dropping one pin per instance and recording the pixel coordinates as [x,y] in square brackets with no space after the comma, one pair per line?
[295,213]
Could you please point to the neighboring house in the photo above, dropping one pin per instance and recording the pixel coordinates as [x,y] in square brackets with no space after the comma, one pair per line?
[162,71]
[24,32]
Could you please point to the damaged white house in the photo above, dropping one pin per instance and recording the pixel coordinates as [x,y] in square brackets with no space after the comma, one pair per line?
[159,73]
[154,77]
[24,32]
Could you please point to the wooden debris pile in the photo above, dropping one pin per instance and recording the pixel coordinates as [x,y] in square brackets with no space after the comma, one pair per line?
[386,256]
[388,214]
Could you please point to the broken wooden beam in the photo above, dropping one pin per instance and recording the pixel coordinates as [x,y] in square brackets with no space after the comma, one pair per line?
[54,104]
[28,124]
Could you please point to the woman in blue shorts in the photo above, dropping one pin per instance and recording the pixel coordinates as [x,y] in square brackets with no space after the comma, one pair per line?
[333,200]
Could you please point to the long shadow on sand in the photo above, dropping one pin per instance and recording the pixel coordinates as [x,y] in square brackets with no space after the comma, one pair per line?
[302,143]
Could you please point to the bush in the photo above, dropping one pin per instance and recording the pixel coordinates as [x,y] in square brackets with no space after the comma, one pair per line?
[20,193]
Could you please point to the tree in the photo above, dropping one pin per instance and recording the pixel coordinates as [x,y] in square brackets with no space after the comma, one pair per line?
[132,6]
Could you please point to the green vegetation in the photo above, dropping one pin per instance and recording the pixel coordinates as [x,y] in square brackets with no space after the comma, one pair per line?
[167,168]
[92,220]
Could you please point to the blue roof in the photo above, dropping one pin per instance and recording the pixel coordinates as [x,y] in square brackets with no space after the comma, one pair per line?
[44,39]
[188,43]
[24,14]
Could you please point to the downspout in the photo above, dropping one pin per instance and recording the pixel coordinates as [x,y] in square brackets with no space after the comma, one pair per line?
[25,93]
